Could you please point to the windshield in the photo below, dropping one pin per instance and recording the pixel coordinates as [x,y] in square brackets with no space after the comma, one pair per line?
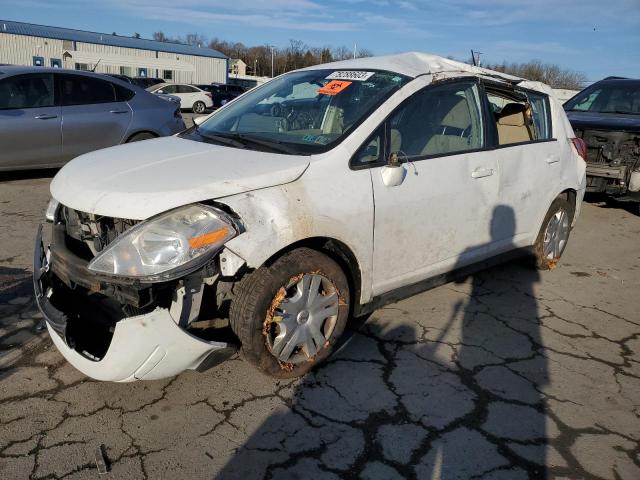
[608,98]
[300,112]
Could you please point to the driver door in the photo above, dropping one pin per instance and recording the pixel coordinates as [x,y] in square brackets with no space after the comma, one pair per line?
[439,215]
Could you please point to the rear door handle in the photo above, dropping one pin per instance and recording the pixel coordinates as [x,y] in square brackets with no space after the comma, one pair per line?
[482,172]
[45,116]
[118,111]
[552,159]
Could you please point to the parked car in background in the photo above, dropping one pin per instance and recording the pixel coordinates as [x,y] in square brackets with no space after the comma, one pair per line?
[146,82]
[606,116]
[49,116]
[124,78]
[261,221]
[221,93]
[191,97]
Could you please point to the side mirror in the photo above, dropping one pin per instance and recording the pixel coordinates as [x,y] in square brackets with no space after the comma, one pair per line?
[159,91]
[393,173]
[199,120]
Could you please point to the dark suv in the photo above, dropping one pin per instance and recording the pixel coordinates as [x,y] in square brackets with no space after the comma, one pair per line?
[222,93]
[606,116]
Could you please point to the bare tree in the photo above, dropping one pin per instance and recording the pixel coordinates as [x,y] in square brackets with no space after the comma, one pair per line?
[160,36]
[551,74]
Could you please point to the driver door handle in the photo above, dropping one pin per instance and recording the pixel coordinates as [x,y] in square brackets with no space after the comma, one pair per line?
[45,116]
[482,172]
[118,111]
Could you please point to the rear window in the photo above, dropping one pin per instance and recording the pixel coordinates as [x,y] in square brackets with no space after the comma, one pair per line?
[608,97]
[81,90]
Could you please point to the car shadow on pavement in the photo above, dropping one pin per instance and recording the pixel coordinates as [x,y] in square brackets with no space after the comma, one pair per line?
[21,325]
[28,174]
[443,386]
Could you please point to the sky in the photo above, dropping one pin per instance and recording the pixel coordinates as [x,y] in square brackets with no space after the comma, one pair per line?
[595,37]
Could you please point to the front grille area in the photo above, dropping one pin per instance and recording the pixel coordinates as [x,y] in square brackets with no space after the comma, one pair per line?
[611,148]
[88,234]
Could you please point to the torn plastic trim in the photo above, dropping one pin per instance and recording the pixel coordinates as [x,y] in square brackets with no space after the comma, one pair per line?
[147,347]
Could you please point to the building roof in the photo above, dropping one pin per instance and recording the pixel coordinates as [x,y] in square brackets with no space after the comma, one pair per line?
[59,33]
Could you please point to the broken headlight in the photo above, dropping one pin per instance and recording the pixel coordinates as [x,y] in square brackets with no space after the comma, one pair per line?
[168,245]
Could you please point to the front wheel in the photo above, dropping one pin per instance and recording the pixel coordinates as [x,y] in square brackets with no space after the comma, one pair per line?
[199,107]
[289,315]
[554,234]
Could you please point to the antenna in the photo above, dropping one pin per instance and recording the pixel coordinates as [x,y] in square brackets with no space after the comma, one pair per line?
[96,65]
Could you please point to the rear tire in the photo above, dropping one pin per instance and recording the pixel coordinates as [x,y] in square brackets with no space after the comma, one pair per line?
[141,136]
[289,315]
[199,107]
[554,234]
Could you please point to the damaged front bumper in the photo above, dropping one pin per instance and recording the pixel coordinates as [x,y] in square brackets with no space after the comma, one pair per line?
[148,346]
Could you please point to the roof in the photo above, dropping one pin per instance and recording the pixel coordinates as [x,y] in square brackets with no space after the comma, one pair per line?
[414,64]
[59,33]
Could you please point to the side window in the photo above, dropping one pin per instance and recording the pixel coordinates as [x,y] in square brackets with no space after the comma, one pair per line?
[439,120]
[169,89]
[123,94]
[81,90]
[371,152]
[540,116]
[522,118]
[186,89]
[27,91]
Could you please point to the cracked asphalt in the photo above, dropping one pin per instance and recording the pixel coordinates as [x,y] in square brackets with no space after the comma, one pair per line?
[508,374]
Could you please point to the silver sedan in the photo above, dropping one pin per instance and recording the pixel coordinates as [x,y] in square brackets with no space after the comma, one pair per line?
[49,116]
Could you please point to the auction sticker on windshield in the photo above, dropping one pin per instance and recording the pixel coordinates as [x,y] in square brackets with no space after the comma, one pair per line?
[358,76]
[334,87]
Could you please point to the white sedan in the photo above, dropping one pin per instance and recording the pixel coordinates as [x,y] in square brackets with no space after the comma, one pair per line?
[191,97]
[325,193]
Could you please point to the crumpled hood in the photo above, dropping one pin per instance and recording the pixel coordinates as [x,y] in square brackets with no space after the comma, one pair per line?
[141,179]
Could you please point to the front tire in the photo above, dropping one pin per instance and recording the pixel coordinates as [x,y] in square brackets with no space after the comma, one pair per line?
[554,234]
[289,315]
[199,107]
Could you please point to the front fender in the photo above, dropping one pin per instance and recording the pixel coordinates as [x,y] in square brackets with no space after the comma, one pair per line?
[280,216]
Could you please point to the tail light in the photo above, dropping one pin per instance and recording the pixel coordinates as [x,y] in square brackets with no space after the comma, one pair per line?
[581,147]
[177,114]
[209,95]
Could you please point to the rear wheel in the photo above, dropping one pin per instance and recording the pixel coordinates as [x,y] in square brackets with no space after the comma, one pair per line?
[199,107]
[288,316]
[141,136]
[554,234]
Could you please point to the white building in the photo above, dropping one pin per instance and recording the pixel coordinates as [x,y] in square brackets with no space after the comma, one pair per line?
[29,44]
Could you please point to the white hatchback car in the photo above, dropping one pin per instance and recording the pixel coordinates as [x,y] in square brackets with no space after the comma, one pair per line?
[320,195]
[191,97]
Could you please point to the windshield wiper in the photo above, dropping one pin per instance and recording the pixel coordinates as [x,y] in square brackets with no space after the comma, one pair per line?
[222,138]
[249,139]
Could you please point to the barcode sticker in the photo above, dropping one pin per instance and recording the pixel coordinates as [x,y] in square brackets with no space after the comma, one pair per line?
[358,76]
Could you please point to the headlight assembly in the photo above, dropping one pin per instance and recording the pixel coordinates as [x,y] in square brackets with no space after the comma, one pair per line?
[168,245]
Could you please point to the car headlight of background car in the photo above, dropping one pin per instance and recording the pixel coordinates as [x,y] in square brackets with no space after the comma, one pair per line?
[167,245]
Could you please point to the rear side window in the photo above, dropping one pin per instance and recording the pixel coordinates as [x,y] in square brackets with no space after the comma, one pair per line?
[186,89]
[123,94]
[440,120]
[541,116]
[80,90]
[522,118]
[27,91]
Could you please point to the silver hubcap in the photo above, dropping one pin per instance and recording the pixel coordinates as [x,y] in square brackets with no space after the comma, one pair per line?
[304,320]
[199,108]
[556,235]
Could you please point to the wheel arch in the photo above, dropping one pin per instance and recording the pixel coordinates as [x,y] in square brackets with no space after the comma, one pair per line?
[339,252]
[571,195]
[138,132]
